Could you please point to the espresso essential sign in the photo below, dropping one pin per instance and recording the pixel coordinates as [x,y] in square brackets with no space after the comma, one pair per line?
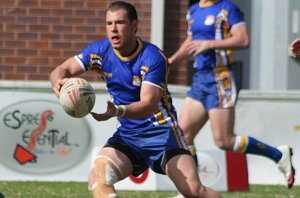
[38,137]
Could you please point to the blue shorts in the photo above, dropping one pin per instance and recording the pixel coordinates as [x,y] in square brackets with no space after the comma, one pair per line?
[151,147]
[215,88]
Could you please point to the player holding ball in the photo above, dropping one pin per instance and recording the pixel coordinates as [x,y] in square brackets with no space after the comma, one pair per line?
[147,135]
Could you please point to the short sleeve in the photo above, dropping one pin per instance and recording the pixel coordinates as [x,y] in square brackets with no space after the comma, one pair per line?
[155,72]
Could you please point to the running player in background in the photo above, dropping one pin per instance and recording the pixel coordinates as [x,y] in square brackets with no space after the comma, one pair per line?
[215,28]
[294,48]
[147,134]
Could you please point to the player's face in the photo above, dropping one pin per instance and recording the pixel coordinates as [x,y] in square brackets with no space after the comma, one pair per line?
[120,31]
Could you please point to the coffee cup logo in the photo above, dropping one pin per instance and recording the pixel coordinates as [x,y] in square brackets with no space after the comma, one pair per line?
[22,155]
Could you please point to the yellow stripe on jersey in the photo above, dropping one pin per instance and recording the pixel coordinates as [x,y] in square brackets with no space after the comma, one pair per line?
[161,122]
[160,118]
[96,64]
[230,56]
[95,60]
[222,30]
[179,138]
[164,114]
[226,87]
[166,98]
[193,150]
[145,68]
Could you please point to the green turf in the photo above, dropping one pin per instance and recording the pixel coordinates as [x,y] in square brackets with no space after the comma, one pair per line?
[79,190]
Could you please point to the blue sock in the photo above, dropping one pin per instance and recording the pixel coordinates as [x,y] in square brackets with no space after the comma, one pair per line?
[256,147]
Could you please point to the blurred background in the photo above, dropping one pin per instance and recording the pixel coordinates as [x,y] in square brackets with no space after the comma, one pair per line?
[37,35]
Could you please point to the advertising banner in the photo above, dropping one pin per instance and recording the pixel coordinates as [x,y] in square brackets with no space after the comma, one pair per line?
[40,142]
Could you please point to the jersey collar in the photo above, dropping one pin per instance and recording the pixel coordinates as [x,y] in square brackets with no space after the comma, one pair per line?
[127,58]
[203,4]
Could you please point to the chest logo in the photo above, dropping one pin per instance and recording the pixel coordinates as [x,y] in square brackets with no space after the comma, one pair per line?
[137,81]
[210,19]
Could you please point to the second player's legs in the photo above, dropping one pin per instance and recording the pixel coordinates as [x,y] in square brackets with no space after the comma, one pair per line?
[192,118]
[222,125]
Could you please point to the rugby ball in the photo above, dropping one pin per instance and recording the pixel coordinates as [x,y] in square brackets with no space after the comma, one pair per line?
[77,97]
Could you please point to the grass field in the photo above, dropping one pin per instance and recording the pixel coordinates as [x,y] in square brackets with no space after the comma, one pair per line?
[79,190]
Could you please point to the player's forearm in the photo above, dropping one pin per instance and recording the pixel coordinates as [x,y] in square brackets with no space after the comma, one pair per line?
[57,74]
[178,57]
[181,54]
[239,39]
[139,110]
[67,69]
[230,43]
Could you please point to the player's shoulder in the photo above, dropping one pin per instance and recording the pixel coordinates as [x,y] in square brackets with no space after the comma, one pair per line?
[100,42]
[193,7]
[148,46]
[151,50]
[98,46]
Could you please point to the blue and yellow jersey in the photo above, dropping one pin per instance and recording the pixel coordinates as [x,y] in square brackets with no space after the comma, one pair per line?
[209,21]
[125,75]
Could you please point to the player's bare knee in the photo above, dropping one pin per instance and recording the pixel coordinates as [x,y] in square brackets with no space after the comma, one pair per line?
[189,138]
[103,172]
[223,144]
[220,143]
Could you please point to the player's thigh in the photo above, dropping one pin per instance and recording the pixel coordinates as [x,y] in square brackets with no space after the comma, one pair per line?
[192,116]
[222,123]
[119,158]
[183,172]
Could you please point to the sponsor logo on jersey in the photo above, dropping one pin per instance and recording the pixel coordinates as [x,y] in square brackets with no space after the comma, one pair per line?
[210,19]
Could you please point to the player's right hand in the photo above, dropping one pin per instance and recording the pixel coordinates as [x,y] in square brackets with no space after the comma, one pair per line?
[57,85]
[196,47]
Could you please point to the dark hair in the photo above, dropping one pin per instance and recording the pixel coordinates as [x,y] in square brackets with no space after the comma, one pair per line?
[131,11]
[191,2]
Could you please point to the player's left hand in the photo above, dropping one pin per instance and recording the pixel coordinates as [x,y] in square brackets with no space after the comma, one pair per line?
[110,112]
[196,47]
